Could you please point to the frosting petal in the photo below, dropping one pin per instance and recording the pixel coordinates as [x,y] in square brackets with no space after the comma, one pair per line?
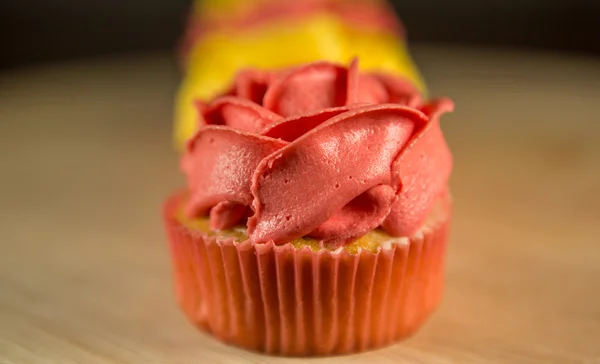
[364,88]
[226,215]
[424,168]
[252,84]
[308,88]
[352,86]
[220,163]
[239,113]
[372,90]
[291,128]
[302,185]
[400,90]
[361,215]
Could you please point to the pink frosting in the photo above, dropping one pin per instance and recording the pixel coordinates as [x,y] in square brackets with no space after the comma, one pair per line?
[319,150]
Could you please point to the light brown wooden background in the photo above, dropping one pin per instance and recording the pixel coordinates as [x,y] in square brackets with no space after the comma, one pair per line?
[86,161]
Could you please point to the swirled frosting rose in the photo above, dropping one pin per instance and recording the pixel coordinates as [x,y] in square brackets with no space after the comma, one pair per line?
[318,150]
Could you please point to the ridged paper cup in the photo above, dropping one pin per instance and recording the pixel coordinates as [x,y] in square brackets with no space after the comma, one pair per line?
[294,301]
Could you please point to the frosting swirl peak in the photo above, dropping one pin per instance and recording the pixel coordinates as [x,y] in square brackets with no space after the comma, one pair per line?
[319,150]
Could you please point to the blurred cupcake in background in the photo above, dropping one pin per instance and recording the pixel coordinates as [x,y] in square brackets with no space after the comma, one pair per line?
[224,36]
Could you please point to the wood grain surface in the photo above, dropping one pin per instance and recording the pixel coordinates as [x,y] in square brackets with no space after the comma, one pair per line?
[86,161]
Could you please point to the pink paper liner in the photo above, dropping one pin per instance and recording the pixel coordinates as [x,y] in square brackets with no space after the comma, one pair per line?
[288,301]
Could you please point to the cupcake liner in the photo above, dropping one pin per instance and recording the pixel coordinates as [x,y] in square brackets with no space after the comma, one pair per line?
[294,301]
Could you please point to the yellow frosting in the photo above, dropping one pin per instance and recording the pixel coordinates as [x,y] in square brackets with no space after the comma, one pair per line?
[218,55]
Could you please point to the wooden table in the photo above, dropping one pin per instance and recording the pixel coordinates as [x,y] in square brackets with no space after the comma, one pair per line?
[86,162]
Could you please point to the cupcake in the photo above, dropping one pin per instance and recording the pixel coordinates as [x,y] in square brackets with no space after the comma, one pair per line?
[316,213]
[225,36]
